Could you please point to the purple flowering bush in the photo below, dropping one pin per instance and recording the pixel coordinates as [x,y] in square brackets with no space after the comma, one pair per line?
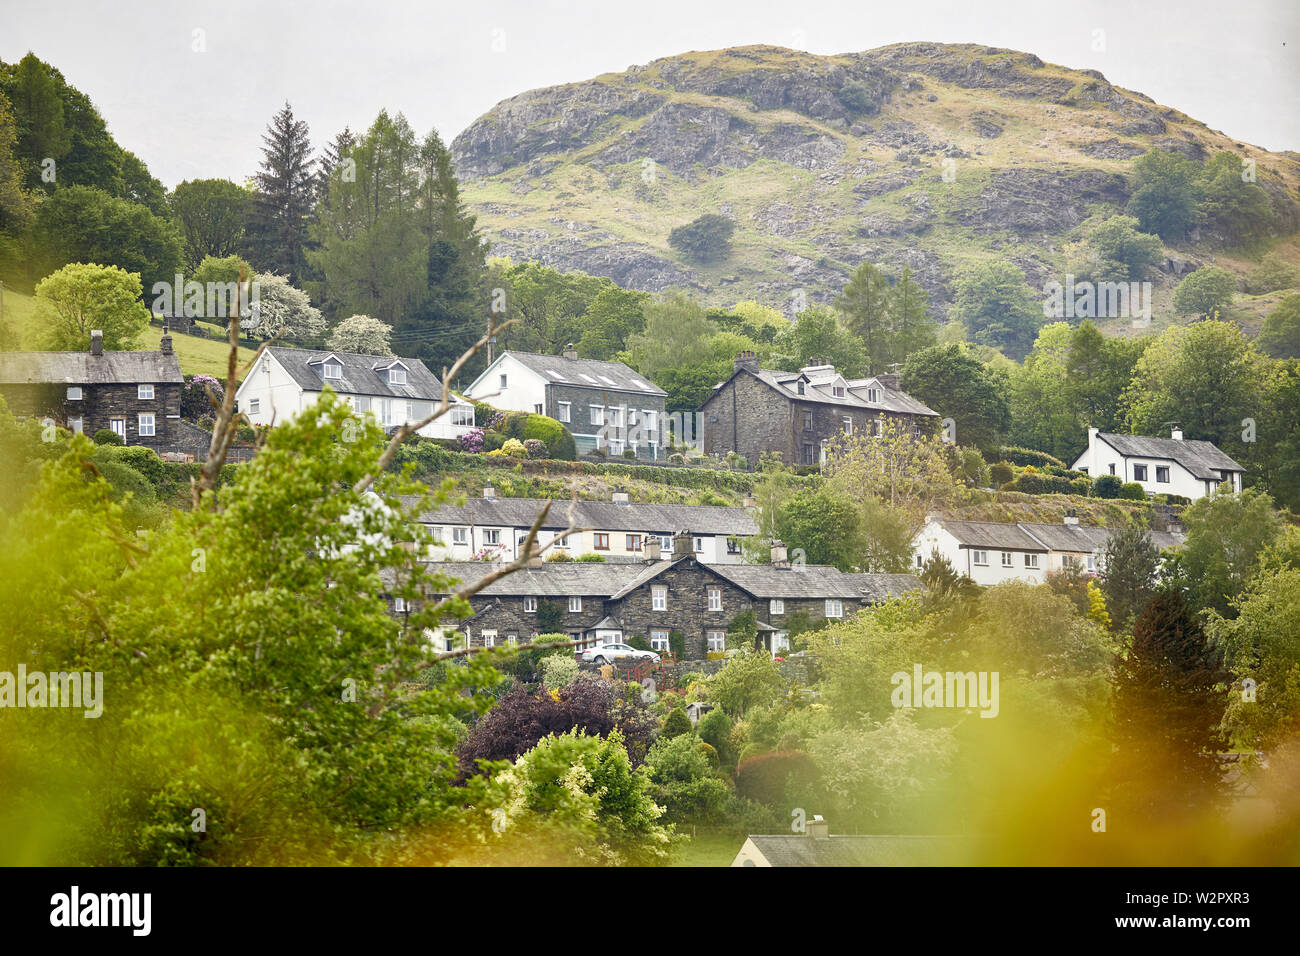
[472,441]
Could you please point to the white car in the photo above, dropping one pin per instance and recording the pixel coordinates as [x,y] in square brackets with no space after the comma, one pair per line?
[608,653]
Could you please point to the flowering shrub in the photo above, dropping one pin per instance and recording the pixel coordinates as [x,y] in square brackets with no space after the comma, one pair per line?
[194,399]
[515,448]
[472,440]
[535,447]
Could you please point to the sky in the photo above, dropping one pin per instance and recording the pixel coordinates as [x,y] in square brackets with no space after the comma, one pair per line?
[190,86]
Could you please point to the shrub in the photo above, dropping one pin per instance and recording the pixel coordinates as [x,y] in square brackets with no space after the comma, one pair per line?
[1178,499]
[710,753]
[514,448]
[590,558]
[106,436]
[535,448]
[559,670]
[1029,456]
[639,642]
[628,453]
[472,441]
[1132,491]
[1000,474]
[676,724]
[1080,487]
[194,396]
[1106,486]
[144,460]
[493,441]
[704,239]
[774,778]
[714,728]
[677,643]
[557,439]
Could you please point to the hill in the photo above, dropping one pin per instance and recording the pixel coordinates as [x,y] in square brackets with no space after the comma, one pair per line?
[931,155]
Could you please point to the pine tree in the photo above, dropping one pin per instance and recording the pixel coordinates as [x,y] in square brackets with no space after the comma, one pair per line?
[908,308]
[865,305]
[335,154]
[1168,707]
[1130,563]
[285,190]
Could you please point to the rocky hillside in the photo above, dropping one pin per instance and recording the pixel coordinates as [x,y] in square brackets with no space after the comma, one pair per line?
[925,154]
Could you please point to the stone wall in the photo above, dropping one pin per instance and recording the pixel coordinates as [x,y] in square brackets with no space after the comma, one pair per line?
[580,401]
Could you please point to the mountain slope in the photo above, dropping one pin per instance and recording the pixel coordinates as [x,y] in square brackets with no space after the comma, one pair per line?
[925,154]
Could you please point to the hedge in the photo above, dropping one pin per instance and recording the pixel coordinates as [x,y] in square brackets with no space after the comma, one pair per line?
[1107,486]
[1133,491]
[1029,456]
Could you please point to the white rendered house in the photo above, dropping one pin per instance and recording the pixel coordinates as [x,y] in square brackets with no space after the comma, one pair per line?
[395,391]
[1174,465]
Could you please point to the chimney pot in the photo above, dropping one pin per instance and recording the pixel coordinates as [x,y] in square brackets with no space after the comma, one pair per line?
[652,548]
[749,502]
[165,343]
[779,556]
[746,359]
[570,352]
[683,547]
[489,492]
[1176,434]
[96,342]
[817,828]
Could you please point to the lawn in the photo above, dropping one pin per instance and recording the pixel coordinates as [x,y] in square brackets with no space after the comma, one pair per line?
[709,849]
[197,355]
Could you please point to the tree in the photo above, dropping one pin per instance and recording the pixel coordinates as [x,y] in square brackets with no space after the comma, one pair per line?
[864,304]
[1205,291]
[1168,706]
[704,239]
[336,154]
[1235,208]
[997,307]
[15,203]
[361,333]
[82,297]
[909,317]
[283,198]
[1280,336]
[1130,565]
[952,381]
[685,785]
[1226,536]
[1098,368]
[1123,251]
[210,216]
[42,130]
[750,679]
[1164,194]
[824,525]
[85,224]
[281,310]
[675,328]
[676,724]
[817,334]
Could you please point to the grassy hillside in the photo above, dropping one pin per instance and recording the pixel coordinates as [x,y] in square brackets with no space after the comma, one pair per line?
[197,355]
[944,155]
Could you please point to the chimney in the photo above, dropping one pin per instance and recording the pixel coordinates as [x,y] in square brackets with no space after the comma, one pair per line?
[746,359]
[96,342]
[779,557]
[165,343]
[817,828]
[652,548]
[1071,519]
[749,502]
[889,380]
[1176,434]
[620,498]
[682,545]
[489,492]
[570,352]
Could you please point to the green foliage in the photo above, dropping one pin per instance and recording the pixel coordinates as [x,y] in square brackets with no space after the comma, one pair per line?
[997,307]
[559,670]
[1272,275]
[824,525]
[1205,291]
[750,679]
[106,436]
[81,298]
[1130,564]
[1226,537]
[550,616]
[1107,486]
[1280,336]
[953,382]
[1119,251]
[706,238]
[817,333]
[676,724]
[1132,491]
[1164,193]
[209,215]
[684,781]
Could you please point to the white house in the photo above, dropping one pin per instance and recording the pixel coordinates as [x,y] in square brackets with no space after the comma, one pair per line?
[1176,466]
[394,390]
[619,530]
[605,405]
[992,552]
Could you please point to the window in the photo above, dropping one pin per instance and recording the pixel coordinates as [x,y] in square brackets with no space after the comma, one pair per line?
[615,446]
[146,428]
[602,541]
[648,416]
[799,388]
[809,454]
[491,535]
[537,409]
[1139,472]
[489,638]
[512,639]
[980,557]
[74,393]
[665,542]
[503,380]
[565,410]
[919,562]
[834,607]
[733,546]
[1162,474]
[460,535]
[615,417]
[632,542]
[254,406]
[659,598]
[1092,562]
[807,420]
[76,425]
[575,604]
[1006,559]
[119,427]
[659,640]
[837,391]
[399,605]
[848,425]
[530,605]
[386,411]
[699,545]
[1112,469]
[873,396]
[462,414]
[597,414]
[715,599]
[1031,560]
[717,641]
[397,376]
[776,606]
[331,370]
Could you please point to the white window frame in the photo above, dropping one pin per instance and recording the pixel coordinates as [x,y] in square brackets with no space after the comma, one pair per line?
[254,406]
[118,427]
[144,392]
[489,638]
[565,411]
[328,367]
[698,544]
[492,536]
[1006,559]
[834,608]
[399,605]
[397,376]
[74,393]
[776,606]
[597,414]
[980,558]
[659,597]
[530,605]
[146,425]
[575,604]
[460,535]
[715,641]
[462,414]
[1031,560]
[503,380]
[715,598]
[660,639]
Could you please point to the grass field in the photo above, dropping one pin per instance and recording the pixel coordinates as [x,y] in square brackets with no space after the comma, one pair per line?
[710,849]
[197,355]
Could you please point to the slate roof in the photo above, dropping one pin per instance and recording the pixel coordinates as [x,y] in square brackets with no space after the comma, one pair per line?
[552,579]
[635,517]
[1001,535]
[814,581]
[1202,459]
[818,392]
[868,850]
[1087,539]
[587,373]
[362,374]
[82,368]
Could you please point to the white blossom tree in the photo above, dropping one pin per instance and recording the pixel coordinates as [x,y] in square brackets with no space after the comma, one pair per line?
[362,333]
[281,310]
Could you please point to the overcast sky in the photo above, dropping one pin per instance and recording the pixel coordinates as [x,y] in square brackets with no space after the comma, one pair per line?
[193,113]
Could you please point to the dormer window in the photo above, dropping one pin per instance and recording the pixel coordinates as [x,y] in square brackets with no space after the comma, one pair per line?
[799,387]
[873,396]
[331,370]
[837,391]
[397,376]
